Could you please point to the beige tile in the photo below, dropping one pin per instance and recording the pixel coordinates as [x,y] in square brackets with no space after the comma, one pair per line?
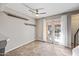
[38,48]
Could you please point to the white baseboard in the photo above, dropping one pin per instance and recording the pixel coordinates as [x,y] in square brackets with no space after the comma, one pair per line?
[19,46]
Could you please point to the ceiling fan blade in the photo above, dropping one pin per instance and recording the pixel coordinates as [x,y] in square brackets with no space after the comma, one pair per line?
[40,8]
[43,13]
[32,11]
[28,6]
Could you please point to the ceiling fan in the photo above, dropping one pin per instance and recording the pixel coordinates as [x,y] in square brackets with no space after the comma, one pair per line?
[35,11]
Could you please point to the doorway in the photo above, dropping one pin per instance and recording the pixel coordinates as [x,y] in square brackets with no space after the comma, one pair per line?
[53,30]
[75,30]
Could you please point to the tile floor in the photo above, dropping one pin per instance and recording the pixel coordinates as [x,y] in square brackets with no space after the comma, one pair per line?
[38,48]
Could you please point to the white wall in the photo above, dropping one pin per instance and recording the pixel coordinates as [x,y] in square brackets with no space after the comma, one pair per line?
[66,30]
[39,29]
[44,30]
[16,31]
[63,40]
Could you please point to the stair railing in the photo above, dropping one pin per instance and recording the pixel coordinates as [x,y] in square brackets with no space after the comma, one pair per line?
[76,38]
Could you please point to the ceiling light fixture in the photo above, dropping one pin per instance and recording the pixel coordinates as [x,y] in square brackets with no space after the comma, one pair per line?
[37,15]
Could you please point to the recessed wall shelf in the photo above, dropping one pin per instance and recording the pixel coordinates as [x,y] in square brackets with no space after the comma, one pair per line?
[12,15]
[29,24]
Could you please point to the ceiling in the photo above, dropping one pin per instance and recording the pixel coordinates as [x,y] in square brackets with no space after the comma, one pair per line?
[50,8]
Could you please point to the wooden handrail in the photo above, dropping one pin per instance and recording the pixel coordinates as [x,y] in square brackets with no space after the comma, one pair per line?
[75,37]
